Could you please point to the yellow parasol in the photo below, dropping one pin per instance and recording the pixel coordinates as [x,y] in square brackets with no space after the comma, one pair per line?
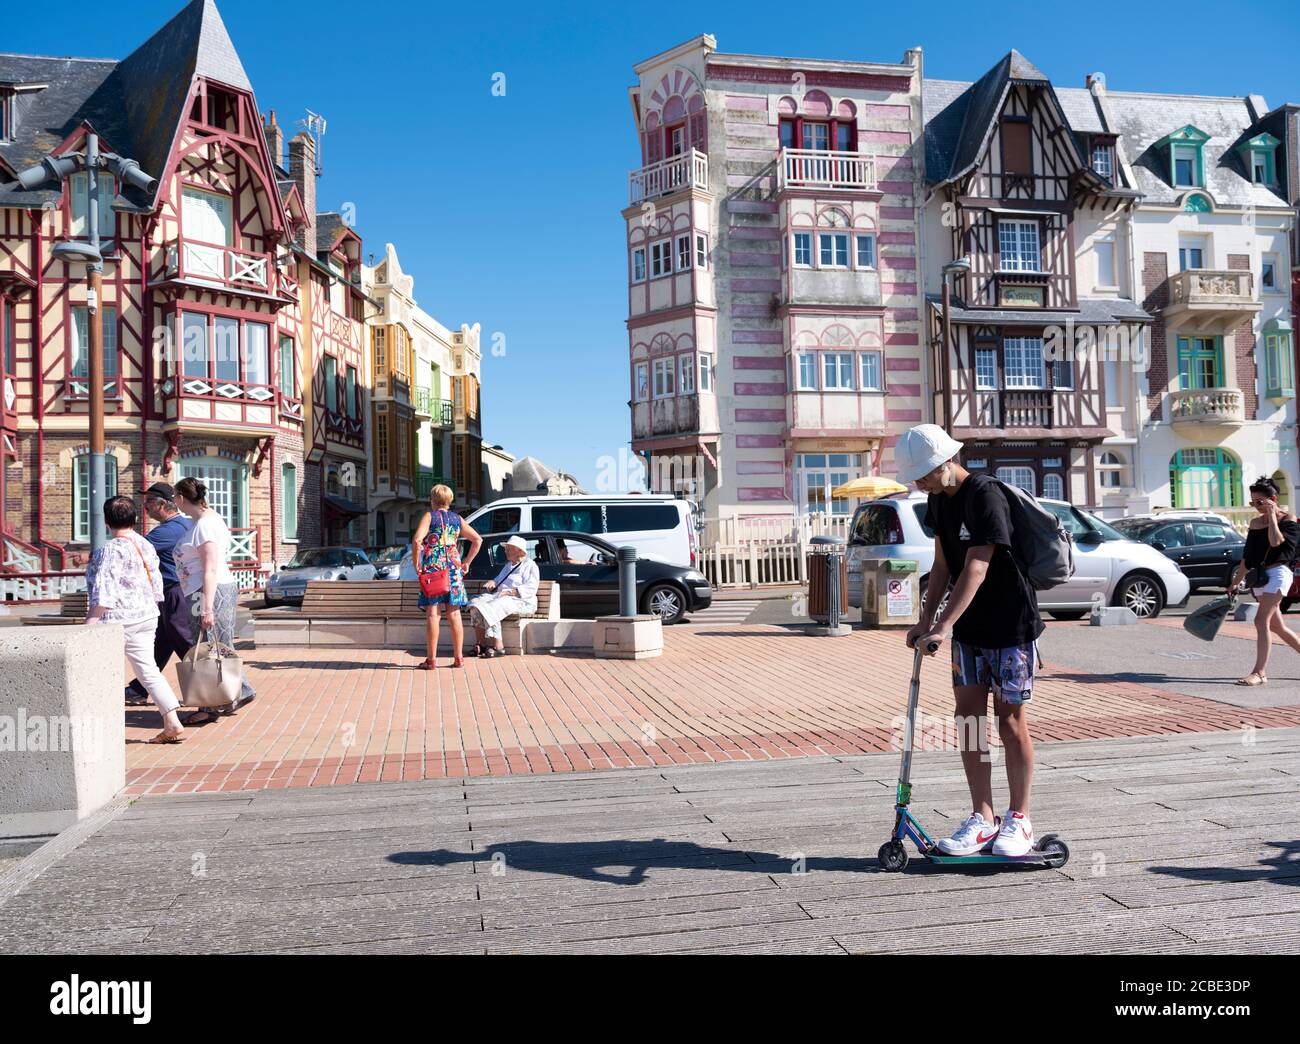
[869,487]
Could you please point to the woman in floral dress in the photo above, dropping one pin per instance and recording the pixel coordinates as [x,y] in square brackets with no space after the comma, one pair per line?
[436,547]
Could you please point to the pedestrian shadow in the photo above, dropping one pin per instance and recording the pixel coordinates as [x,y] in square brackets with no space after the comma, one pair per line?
[330,665]
[1284,868]
[592,860]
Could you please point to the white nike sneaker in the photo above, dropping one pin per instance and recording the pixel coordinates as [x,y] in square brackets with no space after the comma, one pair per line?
[975,835]
[1016,837]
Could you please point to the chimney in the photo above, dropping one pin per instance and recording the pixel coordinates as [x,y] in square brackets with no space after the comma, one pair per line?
[302,169]
[274,138]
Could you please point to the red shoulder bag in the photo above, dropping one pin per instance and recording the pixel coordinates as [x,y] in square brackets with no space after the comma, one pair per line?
[436,582]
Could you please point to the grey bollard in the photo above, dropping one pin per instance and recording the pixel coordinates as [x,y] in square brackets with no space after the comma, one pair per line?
[1245,611]
[627,581]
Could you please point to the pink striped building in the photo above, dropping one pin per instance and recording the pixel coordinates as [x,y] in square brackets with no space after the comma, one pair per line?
[773,299]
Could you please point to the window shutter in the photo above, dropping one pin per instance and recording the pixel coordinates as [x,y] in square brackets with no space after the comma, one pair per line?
[1017,157]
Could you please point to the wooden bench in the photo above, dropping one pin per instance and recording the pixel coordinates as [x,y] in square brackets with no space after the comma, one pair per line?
[73,607]
[381,614]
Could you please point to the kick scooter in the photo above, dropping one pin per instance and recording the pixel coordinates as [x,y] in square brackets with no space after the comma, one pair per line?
[1051,851]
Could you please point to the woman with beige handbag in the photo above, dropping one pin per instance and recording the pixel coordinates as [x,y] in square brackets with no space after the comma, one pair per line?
[206,580]
[124,586]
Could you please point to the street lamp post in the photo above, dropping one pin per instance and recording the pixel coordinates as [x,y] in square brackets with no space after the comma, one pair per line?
[127,170]
[953,268]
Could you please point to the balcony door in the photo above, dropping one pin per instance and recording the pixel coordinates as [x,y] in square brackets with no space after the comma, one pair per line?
[817,474]
[1200,363]
[206,227]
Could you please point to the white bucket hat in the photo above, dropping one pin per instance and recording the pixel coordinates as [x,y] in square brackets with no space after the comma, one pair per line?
[922,449]
[517,541]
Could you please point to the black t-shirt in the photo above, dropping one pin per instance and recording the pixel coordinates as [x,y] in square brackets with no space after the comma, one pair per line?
[1004,611]
[1257,551]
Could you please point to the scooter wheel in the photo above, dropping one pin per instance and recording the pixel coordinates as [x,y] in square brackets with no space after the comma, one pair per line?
[892,856]
[1055,851]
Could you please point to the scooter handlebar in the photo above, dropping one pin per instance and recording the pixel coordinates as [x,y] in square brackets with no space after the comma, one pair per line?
[931,646]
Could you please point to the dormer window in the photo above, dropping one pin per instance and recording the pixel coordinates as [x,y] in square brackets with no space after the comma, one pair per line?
[1186,156]
[1103,161]
[1259,155]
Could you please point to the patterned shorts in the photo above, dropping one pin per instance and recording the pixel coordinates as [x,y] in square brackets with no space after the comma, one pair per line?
[1008,672]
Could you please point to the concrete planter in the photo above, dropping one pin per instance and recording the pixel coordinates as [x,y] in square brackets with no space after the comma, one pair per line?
[62,728]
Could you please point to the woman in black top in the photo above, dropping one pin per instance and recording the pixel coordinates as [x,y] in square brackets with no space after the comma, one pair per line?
[1267,563]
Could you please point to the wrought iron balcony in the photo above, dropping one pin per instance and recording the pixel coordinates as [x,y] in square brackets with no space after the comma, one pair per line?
[424,483]
[686,170]
[813,168]
[1210,298]
[439,411]
[1208,406]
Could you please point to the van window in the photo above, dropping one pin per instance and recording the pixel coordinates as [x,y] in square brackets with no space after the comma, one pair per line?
[922,510]
[631,518]
[500,520]
[574,519]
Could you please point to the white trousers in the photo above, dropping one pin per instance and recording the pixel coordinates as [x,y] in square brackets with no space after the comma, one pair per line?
[139,652]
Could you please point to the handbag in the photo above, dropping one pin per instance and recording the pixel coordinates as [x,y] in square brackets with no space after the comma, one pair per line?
[436,582]
[210,674]
[1257,576]
[1205,622]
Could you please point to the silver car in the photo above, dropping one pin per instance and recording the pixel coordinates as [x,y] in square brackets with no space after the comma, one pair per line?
[1123,571]
[289,584]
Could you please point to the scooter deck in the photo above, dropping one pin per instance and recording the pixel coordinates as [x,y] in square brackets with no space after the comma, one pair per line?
[1034,858]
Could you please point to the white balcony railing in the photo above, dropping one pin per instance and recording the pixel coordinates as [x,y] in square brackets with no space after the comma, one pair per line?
[812,168]
[209,263]
[1208,406]
[687,170]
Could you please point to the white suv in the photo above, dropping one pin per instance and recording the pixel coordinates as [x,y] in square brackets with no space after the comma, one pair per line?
[1122,570]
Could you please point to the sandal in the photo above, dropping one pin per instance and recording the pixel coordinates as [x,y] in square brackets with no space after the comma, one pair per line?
[164,737]
[202,717]
[1259,680]
[458,662]
[478,651]
[426,665]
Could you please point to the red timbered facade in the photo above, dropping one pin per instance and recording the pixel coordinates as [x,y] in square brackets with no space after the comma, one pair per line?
[233,349]
[1012,183]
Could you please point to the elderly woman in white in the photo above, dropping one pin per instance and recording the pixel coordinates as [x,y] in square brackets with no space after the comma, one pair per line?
[513,591]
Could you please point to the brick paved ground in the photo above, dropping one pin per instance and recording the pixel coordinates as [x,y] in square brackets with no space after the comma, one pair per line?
[740,694]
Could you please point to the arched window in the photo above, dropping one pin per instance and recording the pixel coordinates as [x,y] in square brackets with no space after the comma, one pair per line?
[1053,486]
[1111,470]
[81,493]
[1019,476]
[1205,478]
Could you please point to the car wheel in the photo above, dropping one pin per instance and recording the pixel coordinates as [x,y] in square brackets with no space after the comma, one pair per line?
[666,602]
[1067,614]
[1142,594]
[268,603]
[938,613]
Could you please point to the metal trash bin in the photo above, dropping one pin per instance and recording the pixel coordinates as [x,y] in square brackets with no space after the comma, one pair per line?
[891,592]
[828,586]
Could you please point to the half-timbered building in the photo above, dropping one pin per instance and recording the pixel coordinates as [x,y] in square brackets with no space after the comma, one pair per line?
[1018,196]
[232,311]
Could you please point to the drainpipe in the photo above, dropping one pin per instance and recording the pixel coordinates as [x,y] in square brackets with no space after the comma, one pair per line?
[38,392]
[147,365]
[919,193]
[270,457]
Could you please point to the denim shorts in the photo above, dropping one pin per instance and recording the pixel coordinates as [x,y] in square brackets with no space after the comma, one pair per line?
[1008,672]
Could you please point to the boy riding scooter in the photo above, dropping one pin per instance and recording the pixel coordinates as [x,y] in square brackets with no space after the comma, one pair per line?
[993,623]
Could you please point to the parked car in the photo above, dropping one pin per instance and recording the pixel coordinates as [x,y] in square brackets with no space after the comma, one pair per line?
[656,524]
[1204,547]
[1124,571]
[387,560]
[289,583]
[586,568]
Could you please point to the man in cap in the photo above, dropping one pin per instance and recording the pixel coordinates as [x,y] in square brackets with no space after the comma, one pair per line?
[992,618]
[175,632]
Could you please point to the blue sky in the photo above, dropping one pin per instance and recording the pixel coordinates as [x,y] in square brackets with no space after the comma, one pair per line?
[506,209]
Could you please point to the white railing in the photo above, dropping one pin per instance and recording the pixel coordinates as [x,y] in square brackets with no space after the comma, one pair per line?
[36,588]
[1209,405]
[753,565]
[20,558]
[687,170]
[813,168]
[740,530]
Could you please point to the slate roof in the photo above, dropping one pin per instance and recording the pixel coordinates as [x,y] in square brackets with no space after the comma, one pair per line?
[1093,311]
[135,105]
[1141,120]
[328,228]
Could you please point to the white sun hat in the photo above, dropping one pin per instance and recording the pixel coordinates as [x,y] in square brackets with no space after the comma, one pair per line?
[921,449]
[517,542]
